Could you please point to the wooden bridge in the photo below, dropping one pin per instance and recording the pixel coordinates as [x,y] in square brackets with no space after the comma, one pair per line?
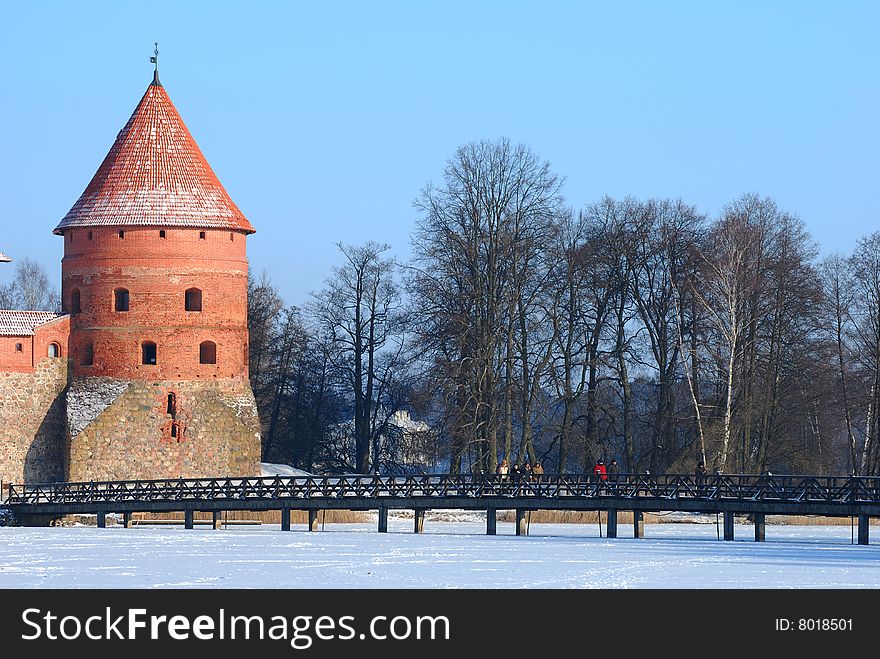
[758,496]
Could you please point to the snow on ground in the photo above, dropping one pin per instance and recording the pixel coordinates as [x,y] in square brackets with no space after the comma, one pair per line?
[272,469]
[451,554]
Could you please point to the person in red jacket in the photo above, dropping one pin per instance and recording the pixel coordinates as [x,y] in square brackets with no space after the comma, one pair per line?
[600,471]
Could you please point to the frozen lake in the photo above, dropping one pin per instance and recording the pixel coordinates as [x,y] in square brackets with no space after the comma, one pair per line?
[453,554]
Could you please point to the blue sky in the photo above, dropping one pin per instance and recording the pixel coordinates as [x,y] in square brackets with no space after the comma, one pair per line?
[325,120]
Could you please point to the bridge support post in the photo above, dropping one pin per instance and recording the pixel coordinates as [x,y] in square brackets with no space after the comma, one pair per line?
[522,527]
[864,524]
[728,525]
[216,519]
[285,519]
[418,520]
[638,524]
[383,519]
[760,524]
[188,519]
[313,519]
[611,526]
[126,520]
[491,521]
[102,521]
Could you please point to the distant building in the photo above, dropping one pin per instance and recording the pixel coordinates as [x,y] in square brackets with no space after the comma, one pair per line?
[145,374]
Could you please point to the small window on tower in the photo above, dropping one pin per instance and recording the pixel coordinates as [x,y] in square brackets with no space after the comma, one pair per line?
[120,299]
[207,352]
[90,235]
[231,235]
[19,347]
[161,233]
[71,236]
[54,350]
[193,299]
[148,353]
[87,357]
[122,234]
[171,408]
[201,235]
[75,301]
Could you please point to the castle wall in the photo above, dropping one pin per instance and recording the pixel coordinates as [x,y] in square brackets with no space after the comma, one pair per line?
[121,429]
[34,348]
[32,423]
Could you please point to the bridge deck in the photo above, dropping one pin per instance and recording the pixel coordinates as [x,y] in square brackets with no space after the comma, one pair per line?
[728,494]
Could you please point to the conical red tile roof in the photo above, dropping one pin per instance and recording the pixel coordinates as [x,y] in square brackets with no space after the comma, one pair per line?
[155,175]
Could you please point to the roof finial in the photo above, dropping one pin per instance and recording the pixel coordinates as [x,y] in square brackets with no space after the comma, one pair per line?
[155,60]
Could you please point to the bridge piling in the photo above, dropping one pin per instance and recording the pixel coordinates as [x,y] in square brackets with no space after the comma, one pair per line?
[418,520]
[522,527]
[864,525]
[313,519]
[638,524]
[491,521]
[102,521]
[285,519]
[760,524]
[126,520]
[383,519]
[188,519]
[728,525]
[217,519]
[611,525]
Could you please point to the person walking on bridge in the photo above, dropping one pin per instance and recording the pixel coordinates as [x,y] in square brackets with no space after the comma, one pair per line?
[537,472]
[613,470]
[613,473]
[601,473]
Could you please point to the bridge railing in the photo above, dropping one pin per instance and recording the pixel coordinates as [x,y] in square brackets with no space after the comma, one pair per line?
[743,487]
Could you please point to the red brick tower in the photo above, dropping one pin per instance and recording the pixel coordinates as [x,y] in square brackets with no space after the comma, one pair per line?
[154,277]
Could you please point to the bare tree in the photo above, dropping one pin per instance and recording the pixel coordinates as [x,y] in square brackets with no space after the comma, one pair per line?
[663,247]
[358,310]
[476,249]
[8,297]
[723,289]
[865,264]
[30,289]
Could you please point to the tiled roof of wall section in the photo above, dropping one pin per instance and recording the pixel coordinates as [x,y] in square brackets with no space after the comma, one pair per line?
[23,323]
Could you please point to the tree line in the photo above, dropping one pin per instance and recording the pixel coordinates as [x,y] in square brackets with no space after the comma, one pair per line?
[522,328]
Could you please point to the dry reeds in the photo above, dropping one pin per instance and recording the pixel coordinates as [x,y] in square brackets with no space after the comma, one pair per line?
[626,517]
[231,516]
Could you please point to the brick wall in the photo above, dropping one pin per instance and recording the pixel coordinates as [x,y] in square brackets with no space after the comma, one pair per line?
[127,432]
[18,361]
[32,423]
[156,271]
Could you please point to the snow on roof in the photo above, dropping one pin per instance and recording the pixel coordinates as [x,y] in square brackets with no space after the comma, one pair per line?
[23,323]
[155,175]
[4,258]
[271,469]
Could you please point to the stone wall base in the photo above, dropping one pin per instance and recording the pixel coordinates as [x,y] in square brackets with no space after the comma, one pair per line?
[135,429]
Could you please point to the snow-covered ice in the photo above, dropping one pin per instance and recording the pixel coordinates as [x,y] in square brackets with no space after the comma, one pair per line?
[449,554]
